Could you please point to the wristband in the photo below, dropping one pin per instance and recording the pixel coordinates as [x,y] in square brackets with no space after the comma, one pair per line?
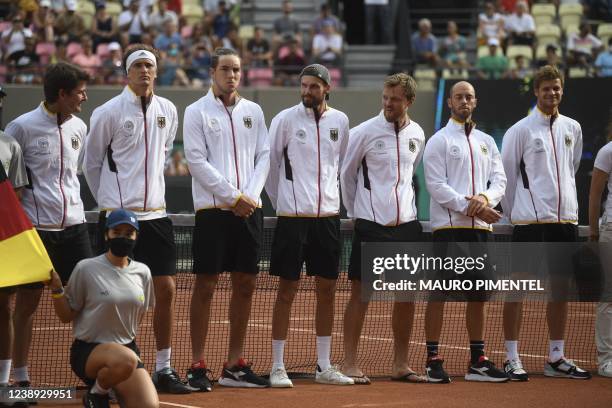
[57,296]
[57,293]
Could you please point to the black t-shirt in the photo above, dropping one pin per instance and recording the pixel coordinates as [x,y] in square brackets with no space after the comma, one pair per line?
[258,48]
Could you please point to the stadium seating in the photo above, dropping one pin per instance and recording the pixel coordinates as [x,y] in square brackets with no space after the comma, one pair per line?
[548,34]
[455,73]
[246,31]
[577,72]
[515,50]
[543,13]
[73,49]
[45,51]
[113,9]
[260,76]
[570,14]
[571,29]
[193,13]
[87,11]
[483,50]
[102,51]
[541,50]
[604,32]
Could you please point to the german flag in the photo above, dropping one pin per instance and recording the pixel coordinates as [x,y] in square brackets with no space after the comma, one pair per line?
[23,257]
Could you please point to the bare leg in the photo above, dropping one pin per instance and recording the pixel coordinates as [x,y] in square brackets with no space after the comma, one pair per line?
[402,320]
[243,286]
[513,318]
[326,293]
[25,307]
[282,308]
[163,317]
[137,391]
[354,316]
[201,298]
[474,320]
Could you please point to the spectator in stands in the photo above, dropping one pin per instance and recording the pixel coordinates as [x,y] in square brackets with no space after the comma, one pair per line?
[378,21]
[598,9]
[258,53]
[200,33]
[583,47]
[425,44]
[43,21]
[552,58]
[171,71]
[490,24]
[158,19]
[199,65]
[61,52]
[88,61]
[27,66]
[133,22]
[14,38]
[177,166]
[286,27]
[69,25]
[221,21]
[325,17]
[168,37]
[521,69]
[176,6]
[327,46]
[112,67]
[289,66]
[603,63]
[494,65]
[520,25]
[232,40]
[103,27]
[453,48]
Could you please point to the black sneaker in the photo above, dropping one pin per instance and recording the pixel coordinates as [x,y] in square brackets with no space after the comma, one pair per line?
[435,372]
[241,375]
[515,371]
[25,384]
[198,379]
[565,369]
[91,400]
[485,371]
[168,381]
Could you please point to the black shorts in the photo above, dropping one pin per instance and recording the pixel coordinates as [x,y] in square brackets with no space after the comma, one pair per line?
[224,242]
[155,246]
[369,231]
[315,241]
[79,353]
[66,248]
[545,233]
[443,247]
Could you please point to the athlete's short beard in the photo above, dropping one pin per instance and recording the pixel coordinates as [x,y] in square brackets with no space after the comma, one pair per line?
[460,115]
[313,104]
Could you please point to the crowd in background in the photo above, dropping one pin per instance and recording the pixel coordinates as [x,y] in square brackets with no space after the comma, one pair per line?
[92,34]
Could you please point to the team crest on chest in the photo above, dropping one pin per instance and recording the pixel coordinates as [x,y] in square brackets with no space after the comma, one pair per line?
[248,122]
[301,134]
[333,135]
[75,142]
[484,149]
[412,146]
[161,122]
[568,140]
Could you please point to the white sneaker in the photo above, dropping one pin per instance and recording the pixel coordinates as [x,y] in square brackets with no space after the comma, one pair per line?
[606,369]
[332,376]
[280,379]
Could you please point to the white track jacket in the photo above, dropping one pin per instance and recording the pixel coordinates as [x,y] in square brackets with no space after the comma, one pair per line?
[227,150]
[305,160]
[126,152]
[52,153]
[541,155]
[461,161]
[377,171]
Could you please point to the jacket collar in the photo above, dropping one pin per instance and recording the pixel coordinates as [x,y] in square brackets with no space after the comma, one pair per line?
[210,95]
[389,126]
[543,118]
[50,115]
[463,127]
[310,112]
[131,96]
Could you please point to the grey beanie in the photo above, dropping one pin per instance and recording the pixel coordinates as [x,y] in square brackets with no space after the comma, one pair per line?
[316,70]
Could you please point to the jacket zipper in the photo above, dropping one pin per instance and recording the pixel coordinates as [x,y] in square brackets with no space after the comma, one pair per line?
[318,167]
[468,130]
[235,150]
[552,138]
[397,217]
[146,137]
[61,177]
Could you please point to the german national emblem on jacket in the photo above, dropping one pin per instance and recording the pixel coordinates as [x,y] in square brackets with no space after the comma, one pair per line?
[484,149]
[411,146]
[75,142]
[161,122]
[333,135]
[248,122]
[568,140]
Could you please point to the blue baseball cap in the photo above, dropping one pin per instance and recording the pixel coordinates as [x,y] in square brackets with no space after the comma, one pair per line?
[121,216]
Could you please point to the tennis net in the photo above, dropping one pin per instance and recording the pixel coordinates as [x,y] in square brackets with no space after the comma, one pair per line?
[49,356]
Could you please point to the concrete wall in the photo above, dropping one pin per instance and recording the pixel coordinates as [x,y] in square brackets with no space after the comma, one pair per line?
[359,105]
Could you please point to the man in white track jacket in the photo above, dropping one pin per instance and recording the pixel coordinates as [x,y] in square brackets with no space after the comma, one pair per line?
[130,138]
[541,154]
[376,180]
[465,179]
[228,152]
[308,142]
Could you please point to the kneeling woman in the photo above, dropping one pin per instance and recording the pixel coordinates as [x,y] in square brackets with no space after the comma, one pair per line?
[106,298]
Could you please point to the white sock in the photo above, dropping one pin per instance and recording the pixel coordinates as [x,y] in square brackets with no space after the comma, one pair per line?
[555,350]
[162,359]
[21,373]
[97,389]
[512,350]
[323,352]
[278,352]
[5,371]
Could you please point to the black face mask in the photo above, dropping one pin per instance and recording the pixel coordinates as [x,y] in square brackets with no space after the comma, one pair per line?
[121,246]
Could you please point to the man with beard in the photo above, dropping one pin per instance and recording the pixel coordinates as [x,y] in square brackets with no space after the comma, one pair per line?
[465,178]
[228,152]
[541,154]
[308,143]
[377,191]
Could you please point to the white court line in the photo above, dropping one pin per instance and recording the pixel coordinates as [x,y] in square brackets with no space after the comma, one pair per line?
[177,405]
